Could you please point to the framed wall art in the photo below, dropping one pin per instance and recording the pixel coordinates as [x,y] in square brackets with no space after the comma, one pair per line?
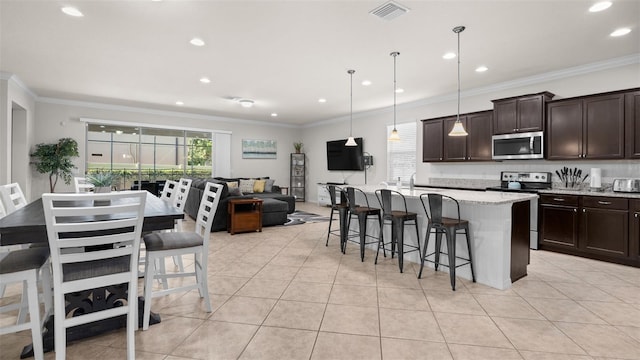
[259,149]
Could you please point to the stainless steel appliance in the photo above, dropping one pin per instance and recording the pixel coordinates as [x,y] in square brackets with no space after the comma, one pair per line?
[626,185]
[530,182]
[518,146]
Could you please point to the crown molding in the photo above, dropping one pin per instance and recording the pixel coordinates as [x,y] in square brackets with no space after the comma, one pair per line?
[9,77]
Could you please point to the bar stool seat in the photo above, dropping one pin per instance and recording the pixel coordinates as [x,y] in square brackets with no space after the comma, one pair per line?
[363,214]
[450,227]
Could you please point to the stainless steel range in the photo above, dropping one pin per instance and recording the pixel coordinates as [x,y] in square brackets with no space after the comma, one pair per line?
[530,182]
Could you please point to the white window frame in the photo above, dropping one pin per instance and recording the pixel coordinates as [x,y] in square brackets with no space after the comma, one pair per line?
[401,155]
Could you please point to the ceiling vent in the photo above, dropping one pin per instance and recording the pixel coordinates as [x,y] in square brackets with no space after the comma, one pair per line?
[389,10]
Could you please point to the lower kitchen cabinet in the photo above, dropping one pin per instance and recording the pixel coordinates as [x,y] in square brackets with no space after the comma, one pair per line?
[598,227]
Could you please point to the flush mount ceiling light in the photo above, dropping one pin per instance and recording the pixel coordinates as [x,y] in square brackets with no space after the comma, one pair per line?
[458,128]
[599,6]
[620,32]
[71,11]
[322,100]
[366,82]
[351,141]
[389,10]
[274,115]
[399,90]
[205,80]
[482,68]
[246,103]
[449,56]
[179,103]
[394,133]
[197,42]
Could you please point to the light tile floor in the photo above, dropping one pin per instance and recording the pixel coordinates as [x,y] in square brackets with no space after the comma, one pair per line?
[281,294]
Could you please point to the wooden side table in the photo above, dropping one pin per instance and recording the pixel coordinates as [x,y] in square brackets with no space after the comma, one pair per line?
[244,215]
[284,190]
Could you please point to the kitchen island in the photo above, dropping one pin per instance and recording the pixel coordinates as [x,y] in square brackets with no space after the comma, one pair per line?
[499,228]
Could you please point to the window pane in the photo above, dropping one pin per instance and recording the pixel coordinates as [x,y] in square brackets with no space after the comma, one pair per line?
[401,155]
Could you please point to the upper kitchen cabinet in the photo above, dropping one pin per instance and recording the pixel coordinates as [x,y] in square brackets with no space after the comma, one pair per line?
[520,114]
[432,132]
[632,123]
[439,146]
[590,127]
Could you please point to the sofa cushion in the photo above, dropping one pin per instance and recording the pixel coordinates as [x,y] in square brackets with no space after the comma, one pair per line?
[273,205]
[246,186]
[258,186]
[268,185]
[235,191]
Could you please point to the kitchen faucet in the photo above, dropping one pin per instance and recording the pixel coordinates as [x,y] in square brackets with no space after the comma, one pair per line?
[412,181]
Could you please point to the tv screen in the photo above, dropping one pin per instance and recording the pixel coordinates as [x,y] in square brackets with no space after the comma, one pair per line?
[341,157]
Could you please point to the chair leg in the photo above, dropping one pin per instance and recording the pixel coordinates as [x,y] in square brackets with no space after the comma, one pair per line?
[381,222]
[424,250]
[34,314]
[438,248]
[451,250]
[150,268]
[60,339]
[362,221]
[399,224]
[163,270]
[47,293]
[132,320]
[466,234]
[24,306]
[415,222]
[329,232]
[202,280]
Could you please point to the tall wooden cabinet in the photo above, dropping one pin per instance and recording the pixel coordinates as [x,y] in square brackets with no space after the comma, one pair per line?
[439,146]
[297,176]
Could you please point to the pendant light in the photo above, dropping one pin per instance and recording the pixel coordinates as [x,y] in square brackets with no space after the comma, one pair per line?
[351,141]
[394,133]
[458,128]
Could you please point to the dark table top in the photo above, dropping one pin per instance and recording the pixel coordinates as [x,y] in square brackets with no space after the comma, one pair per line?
[27,225]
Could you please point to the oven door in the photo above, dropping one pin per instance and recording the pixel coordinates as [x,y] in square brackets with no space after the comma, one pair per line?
[518,146]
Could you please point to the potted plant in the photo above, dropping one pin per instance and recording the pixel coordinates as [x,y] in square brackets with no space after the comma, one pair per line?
[102,181]
[298,146]
[55,160]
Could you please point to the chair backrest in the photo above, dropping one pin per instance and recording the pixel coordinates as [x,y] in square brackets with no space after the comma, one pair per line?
[182,192]
[3,212]
[112,231]
[12,197]
[435,207]
[82,185]
[352,195]
[333,190]
[385,198]
[169,191]
[207,211]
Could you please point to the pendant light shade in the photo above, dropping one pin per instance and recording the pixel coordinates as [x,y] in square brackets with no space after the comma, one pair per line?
[351,141]
[458,128]
[394,134]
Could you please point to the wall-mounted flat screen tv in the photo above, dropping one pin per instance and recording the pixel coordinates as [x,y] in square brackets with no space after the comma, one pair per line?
[341,157]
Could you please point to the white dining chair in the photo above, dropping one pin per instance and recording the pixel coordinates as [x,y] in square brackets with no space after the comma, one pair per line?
[113,231]
[160,245]
[177,198]
[12,197]
[82,185]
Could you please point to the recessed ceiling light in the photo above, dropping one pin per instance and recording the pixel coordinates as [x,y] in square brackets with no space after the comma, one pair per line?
[482,68]
[322,100]
[180,103]
[197,42]
[366,82]
[449,56]
[274,114]
[399,90]
[71,11]
[205,80]
[246,103]
[599,6]
[621,32]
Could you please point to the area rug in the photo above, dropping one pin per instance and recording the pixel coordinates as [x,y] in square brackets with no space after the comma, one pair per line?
[303,217]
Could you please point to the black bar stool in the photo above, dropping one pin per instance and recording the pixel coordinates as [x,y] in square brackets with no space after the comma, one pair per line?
[398,219]
[450,228]
[362,213]
[341,208]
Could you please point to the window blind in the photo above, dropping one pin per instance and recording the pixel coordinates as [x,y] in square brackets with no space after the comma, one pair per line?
[401,155]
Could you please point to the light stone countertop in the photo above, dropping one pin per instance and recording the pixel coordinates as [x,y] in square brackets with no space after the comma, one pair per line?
[463,196]
[591,193]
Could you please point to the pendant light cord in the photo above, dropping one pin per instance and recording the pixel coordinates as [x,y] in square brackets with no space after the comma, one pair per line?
[458,118]
[395,54]
[351,109]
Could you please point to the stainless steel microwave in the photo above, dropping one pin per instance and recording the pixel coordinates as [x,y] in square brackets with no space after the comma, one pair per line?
[528,145]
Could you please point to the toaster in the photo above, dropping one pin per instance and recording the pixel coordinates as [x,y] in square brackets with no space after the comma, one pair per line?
[626,185]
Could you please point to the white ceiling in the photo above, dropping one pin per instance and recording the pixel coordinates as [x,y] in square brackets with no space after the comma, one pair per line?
[286,54]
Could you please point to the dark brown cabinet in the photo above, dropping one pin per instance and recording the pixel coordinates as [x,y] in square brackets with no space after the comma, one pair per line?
[598,227]
[632,124]
[605,226]
[520,114]
[439,146]
[558,216]
[432,135]
[590,127]
[634,230]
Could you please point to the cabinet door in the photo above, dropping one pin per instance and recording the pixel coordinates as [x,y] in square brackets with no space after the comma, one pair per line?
[564,130]
[632,123]
[455,147]
[559,226]
[603,136]
[505,116]
[634,229]
[432,132]
[605,232]
[479,127]
[530,113]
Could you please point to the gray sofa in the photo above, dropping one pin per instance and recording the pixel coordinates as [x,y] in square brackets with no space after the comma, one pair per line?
[275,207]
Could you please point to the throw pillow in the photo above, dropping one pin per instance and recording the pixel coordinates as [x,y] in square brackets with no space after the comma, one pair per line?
[258,186]
[235,191]
[246,186]
[232,184]
[268,185]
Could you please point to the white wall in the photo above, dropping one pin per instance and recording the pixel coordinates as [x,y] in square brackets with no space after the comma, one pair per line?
[372,127]
[56,119]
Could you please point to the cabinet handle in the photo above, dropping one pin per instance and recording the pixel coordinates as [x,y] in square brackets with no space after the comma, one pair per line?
[514,130]
[440,158]
[584,210]
[604,202]
[558,199]
[575,210]
[636,215]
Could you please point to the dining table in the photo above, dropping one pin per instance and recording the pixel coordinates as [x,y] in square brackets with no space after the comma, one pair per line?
[27,226]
